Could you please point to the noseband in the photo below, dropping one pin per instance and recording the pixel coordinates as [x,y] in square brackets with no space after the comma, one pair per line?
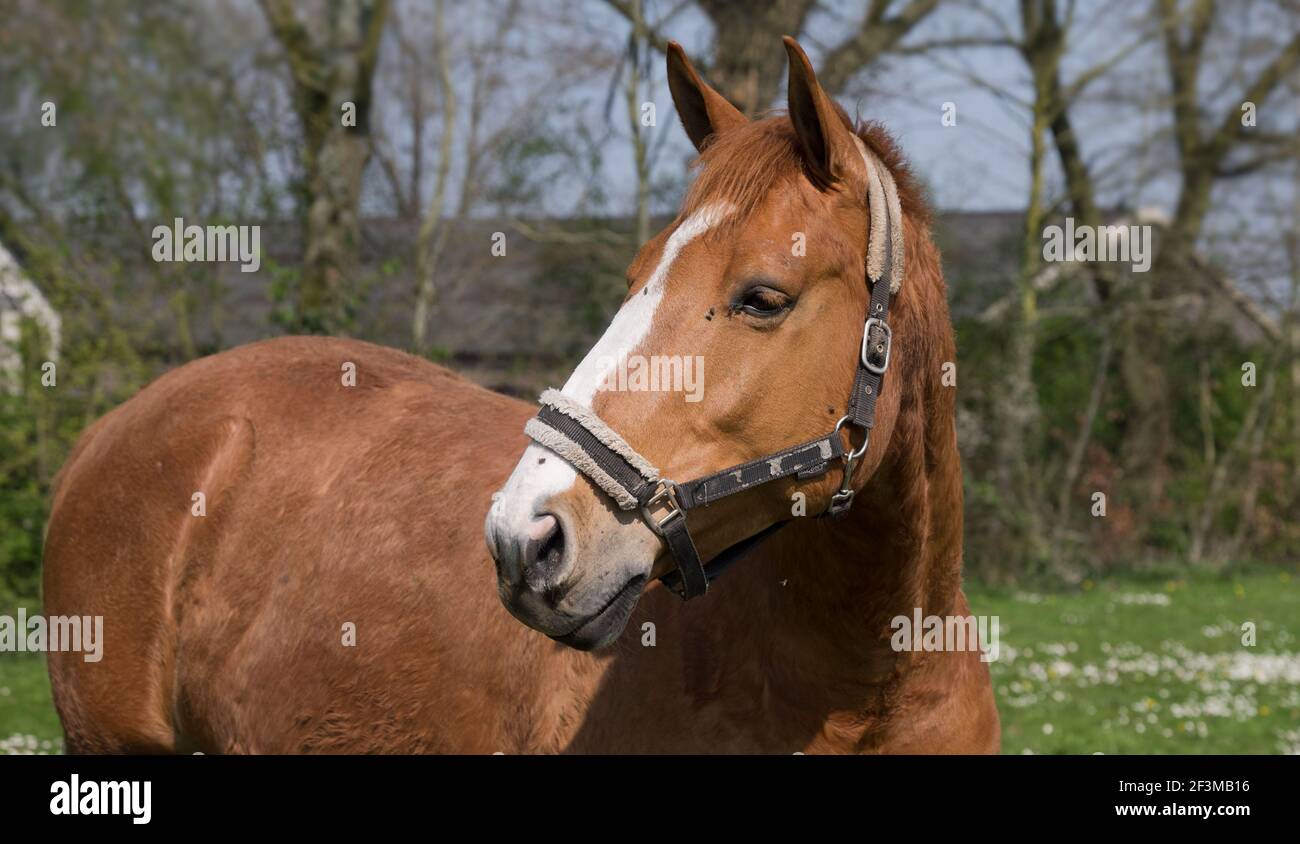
[582,438]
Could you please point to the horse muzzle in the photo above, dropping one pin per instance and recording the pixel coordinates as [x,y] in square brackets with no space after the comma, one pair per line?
[568,565]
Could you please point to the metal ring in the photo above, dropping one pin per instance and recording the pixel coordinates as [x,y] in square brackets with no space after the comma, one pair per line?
[852,455]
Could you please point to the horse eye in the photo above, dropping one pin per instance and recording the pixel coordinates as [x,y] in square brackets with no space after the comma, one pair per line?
[763,302]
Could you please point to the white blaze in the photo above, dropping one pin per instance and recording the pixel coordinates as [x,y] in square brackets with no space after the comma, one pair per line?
[632,322]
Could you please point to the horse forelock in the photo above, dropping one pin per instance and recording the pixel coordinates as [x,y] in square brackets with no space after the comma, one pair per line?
[744,165]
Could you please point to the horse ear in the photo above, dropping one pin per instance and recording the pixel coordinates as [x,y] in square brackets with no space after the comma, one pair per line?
[822,128]
[704,112]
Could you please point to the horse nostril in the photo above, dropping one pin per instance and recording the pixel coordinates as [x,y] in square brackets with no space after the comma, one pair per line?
[542,527]
[545,552]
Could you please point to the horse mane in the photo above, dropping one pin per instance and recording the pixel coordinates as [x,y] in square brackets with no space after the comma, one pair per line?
[743,165]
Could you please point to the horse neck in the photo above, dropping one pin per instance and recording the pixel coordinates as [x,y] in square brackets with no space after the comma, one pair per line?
[897,550]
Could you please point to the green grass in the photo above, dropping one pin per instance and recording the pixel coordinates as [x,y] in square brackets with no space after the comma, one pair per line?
[1125,665]
[1140,666]
[27,720]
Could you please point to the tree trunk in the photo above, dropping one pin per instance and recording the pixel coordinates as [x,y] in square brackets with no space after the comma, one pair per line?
[636,48]
[747,67]
[332,75]
[433,231]
[332,231]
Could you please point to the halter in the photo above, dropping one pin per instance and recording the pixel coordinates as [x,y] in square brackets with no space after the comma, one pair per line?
[582,438]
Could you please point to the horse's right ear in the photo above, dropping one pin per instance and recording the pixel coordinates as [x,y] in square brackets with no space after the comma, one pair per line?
[821,127]
[704,112]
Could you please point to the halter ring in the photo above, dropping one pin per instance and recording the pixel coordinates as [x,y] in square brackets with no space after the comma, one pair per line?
[852,455]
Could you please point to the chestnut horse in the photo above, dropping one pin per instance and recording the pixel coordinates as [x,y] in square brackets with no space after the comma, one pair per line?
[286,540]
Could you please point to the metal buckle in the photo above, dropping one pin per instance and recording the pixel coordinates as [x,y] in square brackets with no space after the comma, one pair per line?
[665,493]
[841,502]
[888,343]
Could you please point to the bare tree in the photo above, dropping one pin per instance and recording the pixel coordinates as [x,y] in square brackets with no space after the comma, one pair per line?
[636,46]
[1205,146]
[433,231]
[747,71]
[331,72]
[459,99]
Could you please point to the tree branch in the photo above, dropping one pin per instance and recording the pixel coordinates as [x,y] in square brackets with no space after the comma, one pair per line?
[651,32]
[304,63]
[876,35]
[1231,128]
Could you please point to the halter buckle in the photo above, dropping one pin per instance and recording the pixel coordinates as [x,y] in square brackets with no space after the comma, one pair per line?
[841,502]
[886,340]
[666,494]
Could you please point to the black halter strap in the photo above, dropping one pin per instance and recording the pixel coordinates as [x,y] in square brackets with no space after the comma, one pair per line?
[692,577]
[602,455]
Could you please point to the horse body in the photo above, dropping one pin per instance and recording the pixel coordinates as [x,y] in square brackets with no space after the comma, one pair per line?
[286,540]
[327,505]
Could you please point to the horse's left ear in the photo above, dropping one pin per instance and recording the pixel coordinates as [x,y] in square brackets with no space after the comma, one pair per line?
[822,129]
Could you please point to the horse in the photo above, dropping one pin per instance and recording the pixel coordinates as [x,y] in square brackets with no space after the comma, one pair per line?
[286,540]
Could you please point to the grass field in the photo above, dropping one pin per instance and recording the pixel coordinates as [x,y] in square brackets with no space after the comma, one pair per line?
[27,720]
[1150,666]
[1119,666]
